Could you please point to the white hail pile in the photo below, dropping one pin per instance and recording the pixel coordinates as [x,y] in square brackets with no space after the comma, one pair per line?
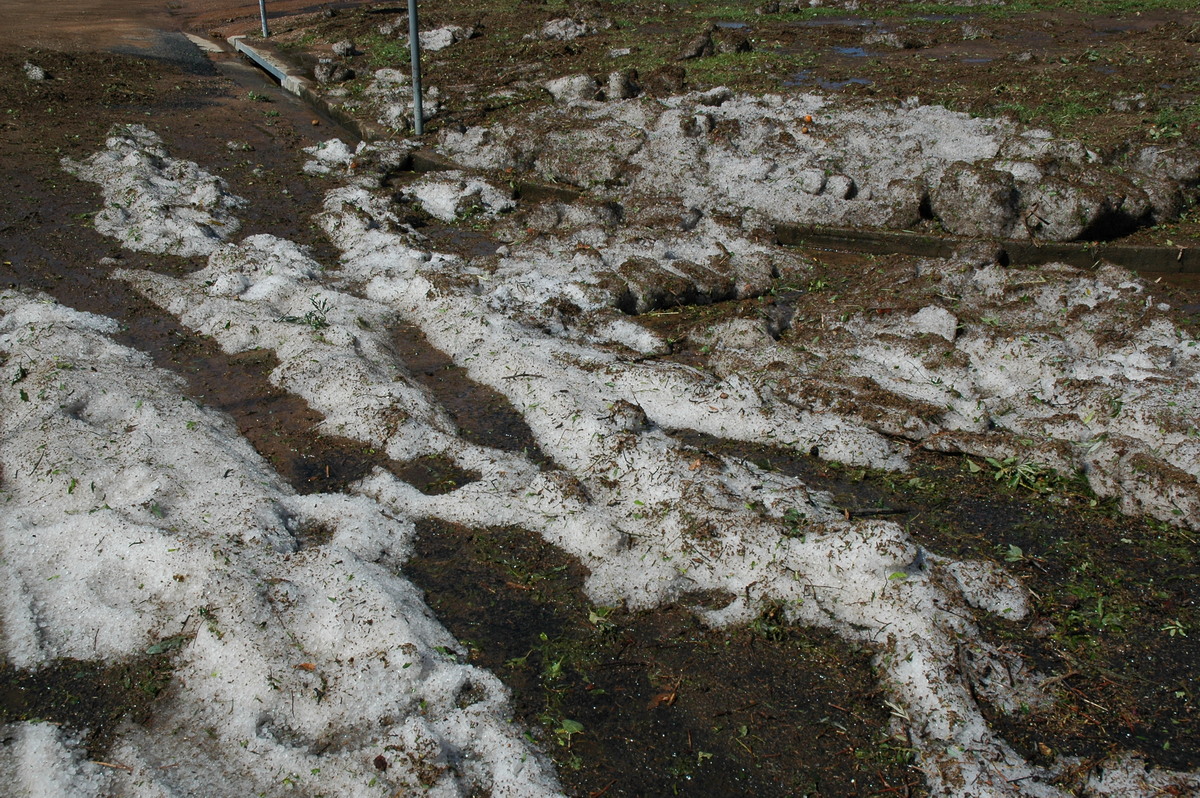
[136,520]
[1077,371]
[804,159]
[155,203]
[652,520]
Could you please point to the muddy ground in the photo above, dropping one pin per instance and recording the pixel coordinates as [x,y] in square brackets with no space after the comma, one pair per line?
[667,706]
[1112,75]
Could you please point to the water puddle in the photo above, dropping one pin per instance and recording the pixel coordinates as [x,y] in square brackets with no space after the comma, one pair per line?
[846,22]
[851,52]
[836,85]
[799,79]
[805,78]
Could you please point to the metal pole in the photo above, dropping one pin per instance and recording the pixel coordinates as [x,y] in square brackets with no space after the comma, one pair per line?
[262,12]
[414,49]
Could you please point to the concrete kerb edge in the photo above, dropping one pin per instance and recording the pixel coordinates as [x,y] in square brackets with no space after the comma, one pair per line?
[293,81]
[205,45]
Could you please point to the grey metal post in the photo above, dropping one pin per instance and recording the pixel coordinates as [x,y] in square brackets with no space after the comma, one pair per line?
[262,12]
[414,49]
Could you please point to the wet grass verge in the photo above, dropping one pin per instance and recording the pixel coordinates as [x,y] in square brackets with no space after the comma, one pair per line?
[1116,622]
[655,703]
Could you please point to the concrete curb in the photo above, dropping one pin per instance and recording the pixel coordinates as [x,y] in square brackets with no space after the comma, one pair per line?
[268,58]
[270,61]
[204,44]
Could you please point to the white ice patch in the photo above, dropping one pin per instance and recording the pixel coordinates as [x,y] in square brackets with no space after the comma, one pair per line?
[328,156]
[450,196]
[672,148]
[1050,370]
[441,38]
[1129,775]
[155,203]
[368,162]
[39,760]
[573,88]
[390,97]
[334,349]
[133,516]
[563,29]
[651,519]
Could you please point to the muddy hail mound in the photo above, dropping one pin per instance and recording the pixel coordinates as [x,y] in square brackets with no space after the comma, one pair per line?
[806,160]
[990,361]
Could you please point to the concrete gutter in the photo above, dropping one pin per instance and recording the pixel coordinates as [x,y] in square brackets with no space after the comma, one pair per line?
[272,64]
[267,57]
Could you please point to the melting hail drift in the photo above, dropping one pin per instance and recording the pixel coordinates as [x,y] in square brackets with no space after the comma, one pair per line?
[649,518]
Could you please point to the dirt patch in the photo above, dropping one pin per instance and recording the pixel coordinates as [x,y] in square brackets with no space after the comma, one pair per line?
[1116,596]
[89,698]
[767,710]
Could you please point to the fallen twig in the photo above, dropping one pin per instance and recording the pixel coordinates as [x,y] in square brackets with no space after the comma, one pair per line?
[113,765]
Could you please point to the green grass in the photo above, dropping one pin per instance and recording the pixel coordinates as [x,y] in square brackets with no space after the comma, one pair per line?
[757,70]
[385,51]
[1015,8]
[1059,113]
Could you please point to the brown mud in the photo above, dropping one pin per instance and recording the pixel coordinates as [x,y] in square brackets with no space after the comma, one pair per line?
[482,415]
[665,706]
[1114,77]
